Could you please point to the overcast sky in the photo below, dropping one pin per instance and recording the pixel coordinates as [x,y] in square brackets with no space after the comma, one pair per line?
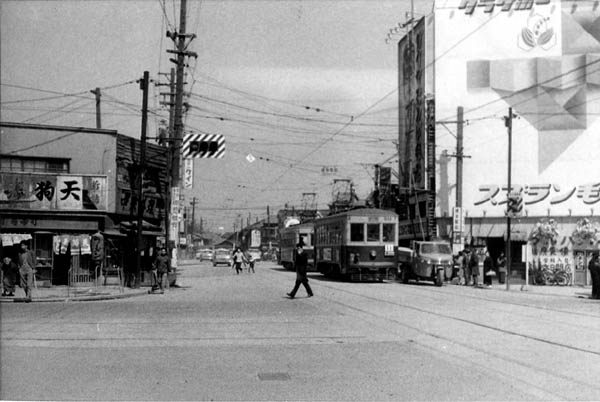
[260,65]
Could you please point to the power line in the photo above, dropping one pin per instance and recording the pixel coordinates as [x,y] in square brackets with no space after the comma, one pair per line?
[288,116]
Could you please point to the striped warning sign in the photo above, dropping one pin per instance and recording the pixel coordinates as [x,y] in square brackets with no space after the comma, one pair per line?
[203,146]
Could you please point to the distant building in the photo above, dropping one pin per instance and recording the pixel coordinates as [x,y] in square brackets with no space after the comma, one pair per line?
[539,58]
[60,185]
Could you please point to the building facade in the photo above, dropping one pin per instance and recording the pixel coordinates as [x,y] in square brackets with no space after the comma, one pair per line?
[541,60]
[62,188]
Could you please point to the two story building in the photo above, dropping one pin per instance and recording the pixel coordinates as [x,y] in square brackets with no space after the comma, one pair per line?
[62,188]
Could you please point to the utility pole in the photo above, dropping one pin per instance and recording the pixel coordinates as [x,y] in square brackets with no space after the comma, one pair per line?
[193,205]
[377,192]
[459,155]
[176,117]
[508,123]
[98,114]
[180,61]
[170,153]
[140,178]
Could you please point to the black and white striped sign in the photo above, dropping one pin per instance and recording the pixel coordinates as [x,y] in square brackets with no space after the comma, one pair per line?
[203,146]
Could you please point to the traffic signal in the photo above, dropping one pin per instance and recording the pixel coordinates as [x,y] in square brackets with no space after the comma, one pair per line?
[515,204]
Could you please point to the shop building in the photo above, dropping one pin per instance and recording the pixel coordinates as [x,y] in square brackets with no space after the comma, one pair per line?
[71,192]
[471,61]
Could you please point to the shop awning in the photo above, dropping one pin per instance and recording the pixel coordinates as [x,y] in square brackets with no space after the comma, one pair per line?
[113,233]
[518,231]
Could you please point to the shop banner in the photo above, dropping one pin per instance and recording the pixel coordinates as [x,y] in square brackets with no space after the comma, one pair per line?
[86,248]
[65,240]
[75,245]
[47,192]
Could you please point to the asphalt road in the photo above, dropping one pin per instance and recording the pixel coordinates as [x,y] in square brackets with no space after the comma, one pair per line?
[237,337]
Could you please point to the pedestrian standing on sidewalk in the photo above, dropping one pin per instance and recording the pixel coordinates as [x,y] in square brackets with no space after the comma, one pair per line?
[301,263]
[161,266]
[501,264]
[474,267]
[488,270]
[594,267]
[238,259]
[460,263]
[467,266]
[10,272]
[26,267]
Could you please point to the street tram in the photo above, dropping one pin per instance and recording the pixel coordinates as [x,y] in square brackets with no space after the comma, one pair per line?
[289,237]
[357,245]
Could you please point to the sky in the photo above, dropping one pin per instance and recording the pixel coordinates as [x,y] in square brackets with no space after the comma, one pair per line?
[298,85]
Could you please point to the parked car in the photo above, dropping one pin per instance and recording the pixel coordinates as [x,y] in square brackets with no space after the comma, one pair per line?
[222,256]
[206,255]
[255,254]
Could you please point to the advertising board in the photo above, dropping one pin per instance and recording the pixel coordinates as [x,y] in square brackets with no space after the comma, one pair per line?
[542,59]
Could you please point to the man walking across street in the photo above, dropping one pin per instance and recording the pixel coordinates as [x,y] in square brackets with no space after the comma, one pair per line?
[301,263]
[26,267]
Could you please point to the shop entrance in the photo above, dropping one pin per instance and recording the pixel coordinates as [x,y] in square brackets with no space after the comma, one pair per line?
[581,275]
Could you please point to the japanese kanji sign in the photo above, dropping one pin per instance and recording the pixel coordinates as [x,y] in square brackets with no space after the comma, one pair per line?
[47,191]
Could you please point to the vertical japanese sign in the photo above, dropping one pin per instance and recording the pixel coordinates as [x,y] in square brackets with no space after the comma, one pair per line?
[188,173]
[457,225]
[174,221]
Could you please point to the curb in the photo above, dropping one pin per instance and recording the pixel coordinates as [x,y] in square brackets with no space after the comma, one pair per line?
[76,299]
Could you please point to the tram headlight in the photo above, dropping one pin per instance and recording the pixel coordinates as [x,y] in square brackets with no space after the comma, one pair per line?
[373,254]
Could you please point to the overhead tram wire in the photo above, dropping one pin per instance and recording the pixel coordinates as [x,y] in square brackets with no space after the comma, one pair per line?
[250,95]
[301,132]
[335,134]
[288,116]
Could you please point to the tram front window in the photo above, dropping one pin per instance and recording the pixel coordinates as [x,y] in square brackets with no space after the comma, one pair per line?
[373,232]
[357,232]
[389,232]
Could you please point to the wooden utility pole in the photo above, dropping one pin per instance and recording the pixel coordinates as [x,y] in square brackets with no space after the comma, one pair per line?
[98,114]
[193,205]
[459,155]
[508,123]
[140,179]
[178,117]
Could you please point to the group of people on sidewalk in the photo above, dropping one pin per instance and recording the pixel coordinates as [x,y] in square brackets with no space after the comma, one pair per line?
[21,271]
[467,268]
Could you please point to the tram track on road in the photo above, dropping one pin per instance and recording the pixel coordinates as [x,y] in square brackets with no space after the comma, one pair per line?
[556,381]
[462,320]
[438,290]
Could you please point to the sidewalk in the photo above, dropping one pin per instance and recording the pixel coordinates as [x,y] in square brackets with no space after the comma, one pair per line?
[94,293]
[66,294]
[574,291]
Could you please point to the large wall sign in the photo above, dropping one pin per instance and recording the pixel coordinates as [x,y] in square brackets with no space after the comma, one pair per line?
[543,61]
[48,191]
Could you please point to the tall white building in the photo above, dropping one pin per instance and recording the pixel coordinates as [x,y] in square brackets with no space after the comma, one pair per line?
[541,59]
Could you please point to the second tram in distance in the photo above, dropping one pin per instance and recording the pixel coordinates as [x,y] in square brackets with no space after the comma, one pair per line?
[292,235]
[358,244]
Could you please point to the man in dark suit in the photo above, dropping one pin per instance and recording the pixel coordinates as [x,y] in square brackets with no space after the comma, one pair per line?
[301,262]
